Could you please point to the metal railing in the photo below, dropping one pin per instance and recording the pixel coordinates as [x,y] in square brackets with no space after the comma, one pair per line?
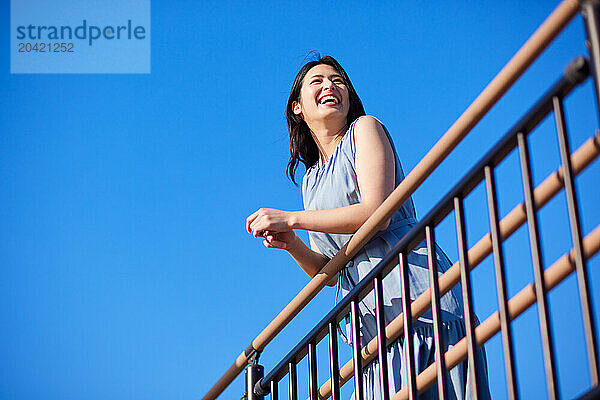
[468,258]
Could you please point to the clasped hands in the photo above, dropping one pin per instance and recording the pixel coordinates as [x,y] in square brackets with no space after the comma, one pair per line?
[274,226]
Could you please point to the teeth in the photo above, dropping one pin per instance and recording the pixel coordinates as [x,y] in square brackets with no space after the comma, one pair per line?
[327,98]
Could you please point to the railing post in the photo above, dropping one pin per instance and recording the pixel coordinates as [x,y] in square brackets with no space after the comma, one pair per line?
[293,385]
[254,373]
[590,10]
[465,282]
[538,268]
[575,224]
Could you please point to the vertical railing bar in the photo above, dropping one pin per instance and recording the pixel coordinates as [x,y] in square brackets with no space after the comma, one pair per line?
[293,386]
[538,267]
[440,358]
[333,361]
[590,10]
[580,264]
[274,390]
[505,328]
[381,339]
[356,347]
[313,384]
[409,351]
[465,282]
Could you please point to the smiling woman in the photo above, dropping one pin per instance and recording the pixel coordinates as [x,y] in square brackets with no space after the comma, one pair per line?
[351,167]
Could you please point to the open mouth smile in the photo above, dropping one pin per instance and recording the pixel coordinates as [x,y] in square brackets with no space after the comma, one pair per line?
[328,99]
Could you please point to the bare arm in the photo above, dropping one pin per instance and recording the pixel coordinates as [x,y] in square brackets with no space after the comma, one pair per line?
[309,259]
[336,220]
[374,160]
[315,248]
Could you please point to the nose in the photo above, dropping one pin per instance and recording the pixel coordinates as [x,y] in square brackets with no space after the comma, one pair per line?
[328,84]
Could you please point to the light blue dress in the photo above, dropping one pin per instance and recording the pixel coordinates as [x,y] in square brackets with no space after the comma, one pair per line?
[335,185]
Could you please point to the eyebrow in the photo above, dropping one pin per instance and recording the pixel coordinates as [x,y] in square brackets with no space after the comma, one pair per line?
[323,76]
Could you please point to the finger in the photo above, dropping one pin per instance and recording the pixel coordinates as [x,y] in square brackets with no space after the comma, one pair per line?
[269,235]
[275,244]
[251,228]
[279,244]
[249,220]
[259,226]
[267,244]
[252,223]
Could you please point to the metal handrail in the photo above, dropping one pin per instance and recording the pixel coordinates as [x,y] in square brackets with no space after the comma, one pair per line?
[517,65]
[575,74]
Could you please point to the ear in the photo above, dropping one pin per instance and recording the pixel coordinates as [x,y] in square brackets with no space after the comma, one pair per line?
[297,108]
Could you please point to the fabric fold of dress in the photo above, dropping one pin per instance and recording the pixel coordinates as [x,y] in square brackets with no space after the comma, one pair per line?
[334,185]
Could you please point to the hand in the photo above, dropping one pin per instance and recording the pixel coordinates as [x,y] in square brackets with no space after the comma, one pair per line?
[279,240]
[269,219]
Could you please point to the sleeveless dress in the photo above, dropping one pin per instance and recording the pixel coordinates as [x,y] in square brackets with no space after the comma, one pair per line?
[335,185]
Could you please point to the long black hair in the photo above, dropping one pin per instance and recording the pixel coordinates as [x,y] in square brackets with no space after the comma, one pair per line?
[302,144]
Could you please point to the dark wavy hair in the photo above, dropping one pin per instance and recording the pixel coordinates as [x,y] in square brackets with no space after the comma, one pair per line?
[302,144]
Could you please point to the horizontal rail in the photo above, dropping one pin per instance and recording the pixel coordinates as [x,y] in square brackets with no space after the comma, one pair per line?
[580,160]
[575,73]
[517,65]
[520,302]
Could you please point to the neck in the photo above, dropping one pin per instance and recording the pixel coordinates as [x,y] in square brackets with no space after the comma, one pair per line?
[327,137]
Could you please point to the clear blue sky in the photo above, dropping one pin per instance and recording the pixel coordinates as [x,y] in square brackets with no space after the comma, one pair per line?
[125,268]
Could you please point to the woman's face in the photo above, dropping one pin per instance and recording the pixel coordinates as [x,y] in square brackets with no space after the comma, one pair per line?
[323,96]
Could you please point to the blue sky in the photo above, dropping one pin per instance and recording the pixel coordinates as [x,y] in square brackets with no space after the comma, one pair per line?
[125,268]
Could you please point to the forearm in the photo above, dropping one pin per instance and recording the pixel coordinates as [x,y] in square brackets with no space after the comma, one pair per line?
[342,220]
[310,261]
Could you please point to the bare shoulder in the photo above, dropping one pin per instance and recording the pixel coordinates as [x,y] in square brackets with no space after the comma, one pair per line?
[367,122]
[368,128]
